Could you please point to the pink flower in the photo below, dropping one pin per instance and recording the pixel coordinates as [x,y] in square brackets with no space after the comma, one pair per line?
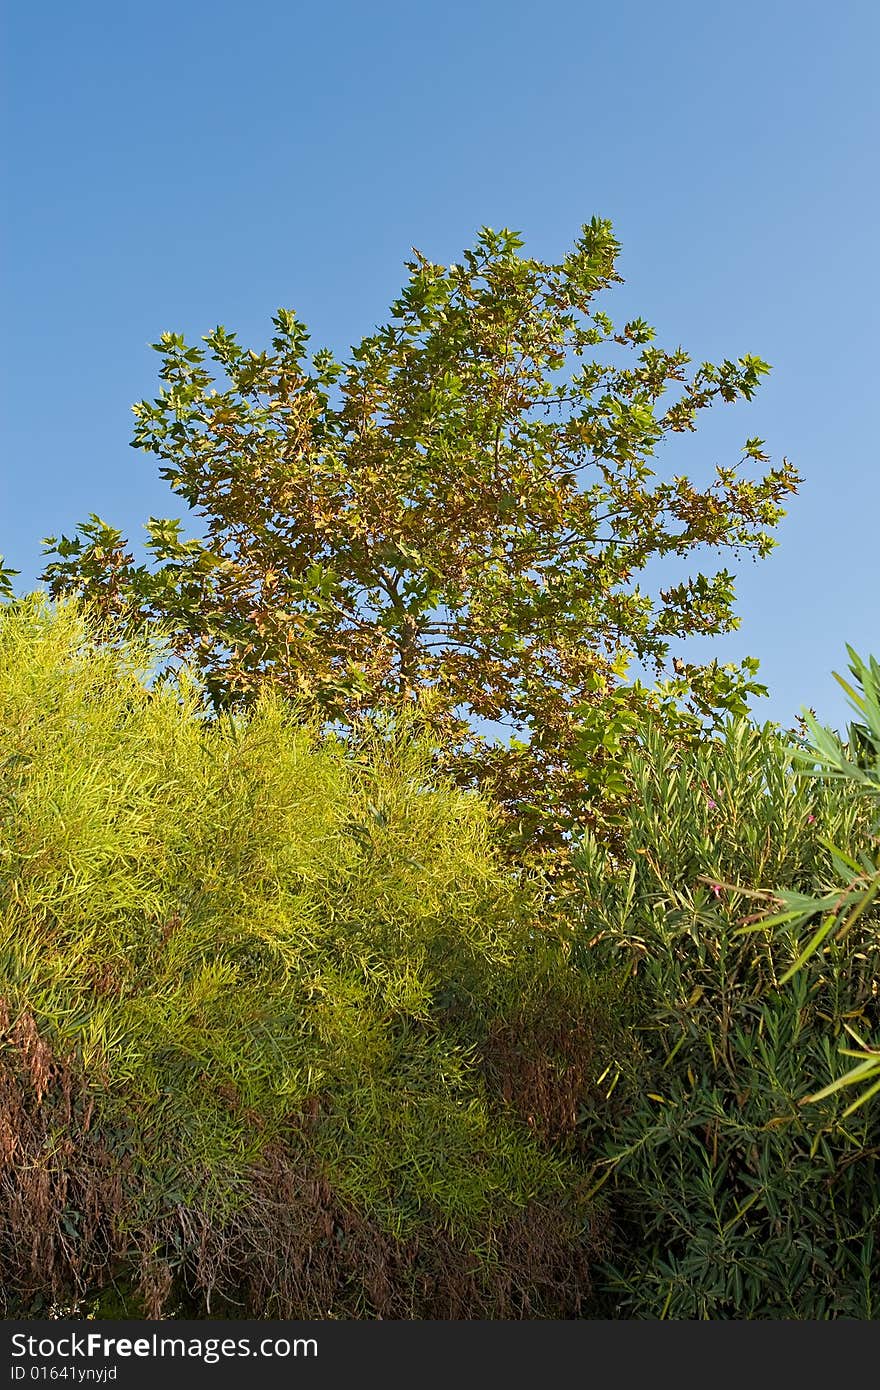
[810,820]
[711,804]
[716,889]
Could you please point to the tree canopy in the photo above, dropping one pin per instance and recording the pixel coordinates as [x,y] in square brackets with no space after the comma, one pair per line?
[459,513]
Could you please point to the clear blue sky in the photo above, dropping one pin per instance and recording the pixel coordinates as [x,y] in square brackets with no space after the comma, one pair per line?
[176,165]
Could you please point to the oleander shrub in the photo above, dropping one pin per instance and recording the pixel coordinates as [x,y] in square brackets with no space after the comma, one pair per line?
[731,1197]
[263,995]
[856,764]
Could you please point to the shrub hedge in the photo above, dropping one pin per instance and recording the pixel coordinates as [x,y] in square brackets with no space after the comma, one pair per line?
[282,1034]
[732,1197]
[260,1008]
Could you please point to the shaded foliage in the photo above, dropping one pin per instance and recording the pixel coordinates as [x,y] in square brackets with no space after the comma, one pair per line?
[856,764]
[732,1198]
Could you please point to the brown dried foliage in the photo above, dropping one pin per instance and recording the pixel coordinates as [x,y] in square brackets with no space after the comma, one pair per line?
[72,1223]
[542,1064]
[297,1251]
[61,1190]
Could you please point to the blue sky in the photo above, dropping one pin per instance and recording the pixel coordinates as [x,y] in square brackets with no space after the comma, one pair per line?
[176,165]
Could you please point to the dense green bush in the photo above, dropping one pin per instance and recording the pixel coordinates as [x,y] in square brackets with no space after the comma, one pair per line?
[260,1005]
[731,1197]
[282,1034]
[856,763]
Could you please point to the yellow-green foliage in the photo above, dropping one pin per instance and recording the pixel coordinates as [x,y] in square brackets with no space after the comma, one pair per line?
[235,932]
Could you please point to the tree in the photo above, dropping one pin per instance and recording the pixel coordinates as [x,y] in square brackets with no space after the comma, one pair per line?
[457,514]
[6,577]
